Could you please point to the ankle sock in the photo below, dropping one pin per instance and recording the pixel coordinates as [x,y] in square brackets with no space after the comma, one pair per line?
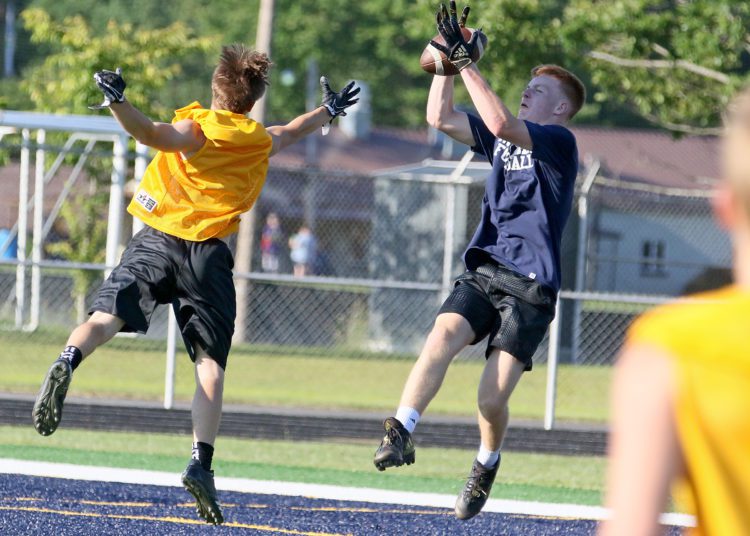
[487,457]
[204,453]
[72,355]
[409,417]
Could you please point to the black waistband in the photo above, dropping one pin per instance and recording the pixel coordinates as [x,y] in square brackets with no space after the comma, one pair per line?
[522,286]
[487,269]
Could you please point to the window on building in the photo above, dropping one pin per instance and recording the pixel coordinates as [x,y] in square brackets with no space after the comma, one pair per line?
[653,258]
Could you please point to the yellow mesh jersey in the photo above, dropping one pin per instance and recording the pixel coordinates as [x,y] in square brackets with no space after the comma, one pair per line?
[710,344]
[203,196]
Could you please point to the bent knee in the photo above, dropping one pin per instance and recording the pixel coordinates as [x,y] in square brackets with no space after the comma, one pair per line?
[207,367]
[453,327]
[492,403]
[104,325]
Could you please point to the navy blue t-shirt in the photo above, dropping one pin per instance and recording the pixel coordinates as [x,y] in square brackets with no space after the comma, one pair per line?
[527,200]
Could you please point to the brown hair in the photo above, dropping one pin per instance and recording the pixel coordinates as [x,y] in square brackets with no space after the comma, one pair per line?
[572,86]
[240,78]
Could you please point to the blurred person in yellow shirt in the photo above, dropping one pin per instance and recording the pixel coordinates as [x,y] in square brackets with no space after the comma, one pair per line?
[681,390]
[209,168]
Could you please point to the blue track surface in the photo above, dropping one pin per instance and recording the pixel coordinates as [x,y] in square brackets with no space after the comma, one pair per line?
[36,505]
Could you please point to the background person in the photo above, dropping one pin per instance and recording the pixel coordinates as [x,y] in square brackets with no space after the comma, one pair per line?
[302,251]
[271,240]
[681,390]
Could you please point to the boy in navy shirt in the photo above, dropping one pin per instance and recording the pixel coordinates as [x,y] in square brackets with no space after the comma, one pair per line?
[509,289]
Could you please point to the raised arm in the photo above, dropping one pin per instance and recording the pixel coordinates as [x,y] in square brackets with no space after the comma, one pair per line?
[334,104]
[183,136]
[442,115]
[494,113]
[296,129]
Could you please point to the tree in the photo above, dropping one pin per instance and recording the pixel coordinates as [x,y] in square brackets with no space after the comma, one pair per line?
[62,83]
[150,60]
[383,51]
[676,62]
[673,63]
[221,21]
[371,41]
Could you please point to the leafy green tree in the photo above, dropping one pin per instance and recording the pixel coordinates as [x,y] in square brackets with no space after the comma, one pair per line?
[672,63]
[62,83]
[675,62]
[369,41]
[222,21]
[150,59]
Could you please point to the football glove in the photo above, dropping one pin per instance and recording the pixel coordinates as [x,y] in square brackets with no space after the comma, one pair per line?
[111,85]
[337,103]
[449,26]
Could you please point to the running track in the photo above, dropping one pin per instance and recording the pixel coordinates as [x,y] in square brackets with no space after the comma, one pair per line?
[121,502]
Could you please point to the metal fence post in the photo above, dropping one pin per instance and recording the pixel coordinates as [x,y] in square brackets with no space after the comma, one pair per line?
[36,237]
[450,223]
[23,216]
[581,251]
[169,375]
[553,352]
[116,195]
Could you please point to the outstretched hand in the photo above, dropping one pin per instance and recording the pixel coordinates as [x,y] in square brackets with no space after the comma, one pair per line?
[449,26]
[337,103]
[111,85]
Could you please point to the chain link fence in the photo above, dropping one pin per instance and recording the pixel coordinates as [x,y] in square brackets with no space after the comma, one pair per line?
[357,266]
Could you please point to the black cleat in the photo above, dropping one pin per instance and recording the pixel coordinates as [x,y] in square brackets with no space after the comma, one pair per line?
[200,484]
[48,407]
[472,498]
[397,448]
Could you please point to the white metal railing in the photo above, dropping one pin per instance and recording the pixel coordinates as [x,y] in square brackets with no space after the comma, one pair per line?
[105,129]
[553,351]
[94,128]
[327,283]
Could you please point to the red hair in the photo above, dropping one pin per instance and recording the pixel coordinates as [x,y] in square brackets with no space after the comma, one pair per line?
[572,86]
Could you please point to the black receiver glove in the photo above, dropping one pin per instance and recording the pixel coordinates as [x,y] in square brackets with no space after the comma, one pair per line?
[456,49]
[337,103]
[112,85]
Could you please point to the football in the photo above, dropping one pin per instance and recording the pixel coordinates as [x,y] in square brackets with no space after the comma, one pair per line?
[435,62]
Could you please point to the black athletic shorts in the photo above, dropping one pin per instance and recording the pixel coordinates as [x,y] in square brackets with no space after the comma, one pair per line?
[515,311]
[195,277]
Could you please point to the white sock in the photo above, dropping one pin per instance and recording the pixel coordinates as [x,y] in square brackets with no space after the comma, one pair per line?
[409,417]
[487,457]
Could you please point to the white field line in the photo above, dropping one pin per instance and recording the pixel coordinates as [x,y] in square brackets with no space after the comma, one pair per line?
[318,491]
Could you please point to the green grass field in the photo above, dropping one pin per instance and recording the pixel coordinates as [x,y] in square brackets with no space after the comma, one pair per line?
[534,477]
[295,380]
[128,369]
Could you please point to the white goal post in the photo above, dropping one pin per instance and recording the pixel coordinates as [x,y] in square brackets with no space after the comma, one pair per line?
[91,129]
